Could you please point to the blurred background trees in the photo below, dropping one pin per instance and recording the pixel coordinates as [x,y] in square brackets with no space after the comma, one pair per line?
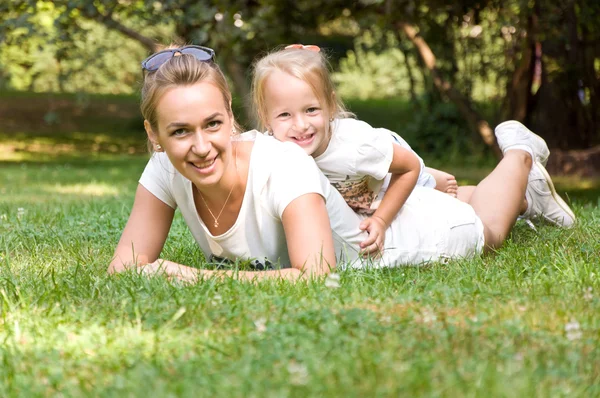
[461,67]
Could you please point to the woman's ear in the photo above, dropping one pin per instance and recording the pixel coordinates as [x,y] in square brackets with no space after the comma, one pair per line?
[152,136]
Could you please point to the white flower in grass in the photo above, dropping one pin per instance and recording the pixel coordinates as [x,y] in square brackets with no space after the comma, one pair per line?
[573,330]
[216,300]
[428,316]
[3,217]
[519,357]
[20,212]
[587,294]
[298,373]
[261,325]
[332,281]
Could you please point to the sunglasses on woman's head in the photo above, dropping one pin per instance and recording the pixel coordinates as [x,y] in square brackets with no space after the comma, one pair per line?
[154,61]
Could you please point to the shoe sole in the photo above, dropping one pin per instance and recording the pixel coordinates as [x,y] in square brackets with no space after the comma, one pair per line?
[543,157]
[561,203]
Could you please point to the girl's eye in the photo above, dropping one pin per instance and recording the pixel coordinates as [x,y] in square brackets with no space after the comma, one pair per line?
[284,114]
[312,109]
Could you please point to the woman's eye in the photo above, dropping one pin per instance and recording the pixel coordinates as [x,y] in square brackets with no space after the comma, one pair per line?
[213,124]
[178,132]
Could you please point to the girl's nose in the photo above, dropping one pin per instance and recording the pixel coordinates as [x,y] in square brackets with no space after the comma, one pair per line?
[301,123]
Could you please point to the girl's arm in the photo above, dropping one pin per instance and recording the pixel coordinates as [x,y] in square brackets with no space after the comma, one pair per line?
[305,222]
[145,232]
[405,169]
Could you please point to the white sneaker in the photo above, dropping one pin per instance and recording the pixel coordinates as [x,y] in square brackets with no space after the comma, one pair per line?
[543,201]
[513,135]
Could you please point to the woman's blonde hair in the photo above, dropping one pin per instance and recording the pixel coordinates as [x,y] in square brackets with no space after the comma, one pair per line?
[181,70]
[309,66]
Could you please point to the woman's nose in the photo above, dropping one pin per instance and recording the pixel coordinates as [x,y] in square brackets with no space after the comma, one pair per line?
[200,145]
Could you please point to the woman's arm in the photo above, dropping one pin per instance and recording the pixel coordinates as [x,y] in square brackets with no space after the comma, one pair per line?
[145,232]
[305,222]
[308,234]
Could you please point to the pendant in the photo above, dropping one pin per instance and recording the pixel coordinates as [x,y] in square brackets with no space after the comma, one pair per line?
[216,224]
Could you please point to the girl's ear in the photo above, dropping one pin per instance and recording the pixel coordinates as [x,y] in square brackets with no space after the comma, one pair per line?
[152,136]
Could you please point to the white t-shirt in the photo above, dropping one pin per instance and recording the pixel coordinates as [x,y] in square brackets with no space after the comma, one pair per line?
[357,163]
[278,174]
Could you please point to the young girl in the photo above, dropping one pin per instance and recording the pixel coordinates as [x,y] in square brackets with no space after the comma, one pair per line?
[295,101]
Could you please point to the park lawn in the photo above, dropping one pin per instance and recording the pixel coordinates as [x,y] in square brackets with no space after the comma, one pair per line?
[521,322]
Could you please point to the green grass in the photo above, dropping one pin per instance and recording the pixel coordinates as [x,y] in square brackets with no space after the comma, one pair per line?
[488,326]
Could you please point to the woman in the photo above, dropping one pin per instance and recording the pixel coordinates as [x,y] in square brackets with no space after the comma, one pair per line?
[242,196]
[251,197]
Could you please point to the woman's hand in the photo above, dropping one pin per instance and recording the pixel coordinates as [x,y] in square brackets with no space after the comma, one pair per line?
[171,270]
[373,245]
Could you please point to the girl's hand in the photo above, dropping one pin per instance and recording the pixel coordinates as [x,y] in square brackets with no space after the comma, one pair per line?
[373,245]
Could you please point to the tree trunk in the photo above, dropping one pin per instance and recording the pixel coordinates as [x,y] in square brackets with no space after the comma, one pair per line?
[518,92]
[475,121]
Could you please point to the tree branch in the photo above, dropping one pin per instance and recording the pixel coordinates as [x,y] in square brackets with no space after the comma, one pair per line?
[475,120]
[108,21]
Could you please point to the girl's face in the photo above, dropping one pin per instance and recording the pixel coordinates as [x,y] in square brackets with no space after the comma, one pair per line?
[295,114]
[194,129]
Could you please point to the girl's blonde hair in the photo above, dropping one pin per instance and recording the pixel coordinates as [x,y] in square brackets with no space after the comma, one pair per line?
[181,70]
[309,66]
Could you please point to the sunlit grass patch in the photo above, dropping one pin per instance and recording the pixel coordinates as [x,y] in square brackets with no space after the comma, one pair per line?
[91,189]
[520,322]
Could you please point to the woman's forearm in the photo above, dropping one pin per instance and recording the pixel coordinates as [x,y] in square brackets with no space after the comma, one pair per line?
[190,274]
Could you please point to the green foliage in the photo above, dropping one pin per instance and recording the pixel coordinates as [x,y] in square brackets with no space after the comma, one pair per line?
[376,68]
[433,128]
[37,56]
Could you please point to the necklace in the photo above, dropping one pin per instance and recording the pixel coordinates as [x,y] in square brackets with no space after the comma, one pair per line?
[216,224]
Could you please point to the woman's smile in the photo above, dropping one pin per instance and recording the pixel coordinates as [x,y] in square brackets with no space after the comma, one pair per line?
[205,167]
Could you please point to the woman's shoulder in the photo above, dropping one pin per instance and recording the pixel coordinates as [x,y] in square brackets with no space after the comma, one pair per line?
[271,158]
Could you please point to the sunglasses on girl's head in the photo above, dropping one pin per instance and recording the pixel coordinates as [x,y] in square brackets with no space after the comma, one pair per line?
[154,61]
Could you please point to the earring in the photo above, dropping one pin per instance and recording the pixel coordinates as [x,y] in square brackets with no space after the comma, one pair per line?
[269,132]
[233,130]
[158,147]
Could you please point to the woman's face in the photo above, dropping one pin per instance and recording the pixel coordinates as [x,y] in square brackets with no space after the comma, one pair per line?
[194,129]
